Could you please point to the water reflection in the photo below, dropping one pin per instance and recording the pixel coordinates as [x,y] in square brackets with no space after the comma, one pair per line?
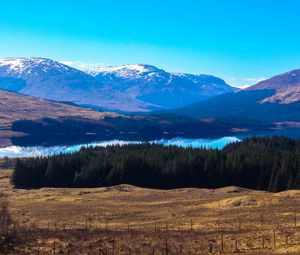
[30,151]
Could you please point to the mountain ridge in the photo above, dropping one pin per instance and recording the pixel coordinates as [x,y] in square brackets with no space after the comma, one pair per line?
[276,99]
[156,86]
[286,85]
[128,88]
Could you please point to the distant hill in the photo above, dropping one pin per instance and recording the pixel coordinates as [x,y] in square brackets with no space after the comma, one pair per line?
[276,99]
[14,106]
[129,88]
[50,121]
[286,86]
[158,87]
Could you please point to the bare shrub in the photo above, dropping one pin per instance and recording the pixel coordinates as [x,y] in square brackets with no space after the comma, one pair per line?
[5,219]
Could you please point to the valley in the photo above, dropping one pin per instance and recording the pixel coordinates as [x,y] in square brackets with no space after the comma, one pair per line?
[30,121]
[150,127]
[57,113]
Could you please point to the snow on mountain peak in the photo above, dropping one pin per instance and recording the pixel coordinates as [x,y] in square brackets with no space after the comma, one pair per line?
[31,66]
[125,71]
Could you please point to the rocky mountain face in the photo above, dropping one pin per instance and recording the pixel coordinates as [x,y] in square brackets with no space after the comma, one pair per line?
[129,88]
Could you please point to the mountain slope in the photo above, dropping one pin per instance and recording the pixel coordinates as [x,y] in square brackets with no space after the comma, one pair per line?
[25,120]
[45,78]
[275,99]
[58,118]
[286,85]
[14,107]
[158,87]
[131,88]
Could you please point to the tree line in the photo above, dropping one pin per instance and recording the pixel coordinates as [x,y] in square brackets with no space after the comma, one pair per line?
[264,163]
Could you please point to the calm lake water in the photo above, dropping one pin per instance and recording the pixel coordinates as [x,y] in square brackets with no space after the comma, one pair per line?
[18,151]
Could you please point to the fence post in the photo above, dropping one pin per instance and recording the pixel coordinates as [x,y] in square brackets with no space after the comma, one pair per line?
[222,243]
[54,248]
[113,246]
[167,249]
[210,248]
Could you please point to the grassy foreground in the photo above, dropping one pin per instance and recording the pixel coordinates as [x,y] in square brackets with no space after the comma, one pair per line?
[129,220]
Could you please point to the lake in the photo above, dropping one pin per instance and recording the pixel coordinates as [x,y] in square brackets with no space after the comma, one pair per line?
[31,151]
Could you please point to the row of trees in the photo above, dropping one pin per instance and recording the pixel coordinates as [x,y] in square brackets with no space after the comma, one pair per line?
[259,163]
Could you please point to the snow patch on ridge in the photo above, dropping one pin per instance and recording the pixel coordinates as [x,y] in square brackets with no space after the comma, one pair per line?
[32,66]
[109,69]
[125,71]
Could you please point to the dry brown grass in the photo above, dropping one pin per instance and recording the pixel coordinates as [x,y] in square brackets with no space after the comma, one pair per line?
[86,221]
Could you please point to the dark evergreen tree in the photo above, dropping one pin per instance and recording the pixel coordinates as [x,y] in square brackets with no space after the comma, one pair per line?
[266,163]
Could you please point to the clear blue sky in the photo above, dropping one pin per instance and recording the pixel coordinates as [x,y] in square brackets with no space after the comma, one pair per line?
[238,40]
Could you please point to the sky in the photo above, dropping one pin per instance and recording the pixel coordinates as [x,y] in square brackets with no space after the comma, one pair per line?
[241,41]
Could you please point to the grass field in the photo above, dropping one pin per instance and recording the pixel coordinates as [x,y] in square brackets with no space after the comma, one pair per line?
[130,220]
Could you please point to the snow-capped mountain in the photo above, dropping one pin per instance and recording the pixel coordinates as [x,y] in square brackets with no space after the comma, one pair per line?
[45,78]
[158,87]
[128,88]
[32,67]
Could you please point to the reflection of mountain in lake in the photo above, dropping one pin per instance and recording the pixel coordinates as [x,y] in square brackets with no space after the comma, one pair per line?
[18,151]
